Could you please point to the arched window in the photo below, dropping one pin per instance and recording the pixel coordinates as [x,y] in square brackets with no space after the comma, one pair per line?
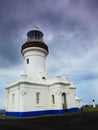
[53,99]
[64,102]
[43,78]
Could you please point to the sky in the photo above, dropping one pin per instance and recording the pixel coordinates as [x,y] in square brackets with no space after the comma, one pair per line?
[70,30]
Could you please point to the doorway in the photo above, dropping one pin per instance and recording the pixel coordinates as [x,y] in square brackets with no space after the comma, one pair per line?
[64,102]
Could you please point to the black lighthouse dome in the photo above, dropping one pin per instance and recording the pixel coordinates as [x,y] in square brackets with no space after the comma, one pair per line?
[34,39]
[35,35]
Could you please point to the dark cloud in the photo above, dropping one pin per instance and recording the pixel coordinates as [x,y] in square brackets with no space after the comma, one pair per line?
[90,76]
[88,4]
[57,16]
[85,76]
[70,27]
[92,4]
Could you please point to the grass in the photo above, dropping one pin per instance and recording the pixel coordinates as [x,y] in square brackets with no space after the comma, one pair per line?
[91,109]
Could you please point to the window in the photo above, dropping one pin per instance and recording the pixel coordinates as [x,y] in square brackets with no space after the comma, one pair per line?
[37,97]
[53,99]
[27,61]
[13,99]
[43,78]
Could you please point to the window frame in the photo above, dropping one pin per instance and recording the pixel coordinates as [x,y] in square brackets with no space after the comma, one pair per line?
[13,99]
[37,97]
[53,99]
[27,60]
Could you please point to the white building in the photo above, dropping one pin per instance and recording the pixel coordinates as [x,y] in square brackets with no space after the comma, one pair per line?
[34,94]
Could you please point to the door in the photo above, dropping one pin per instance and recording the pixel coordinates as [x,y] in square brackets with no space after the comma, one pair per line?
[64,101]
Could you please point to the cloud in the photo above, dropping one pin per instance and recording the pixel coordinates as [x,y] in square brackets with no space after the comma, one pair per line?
[8,75]
[70,29]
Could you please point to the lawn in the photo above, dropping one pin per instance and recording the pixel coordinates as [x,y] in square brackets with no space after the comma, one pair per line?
[91,109]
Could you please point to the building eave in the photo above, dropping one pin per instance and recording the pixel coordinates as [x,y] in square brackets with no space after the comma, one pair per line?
[42,83]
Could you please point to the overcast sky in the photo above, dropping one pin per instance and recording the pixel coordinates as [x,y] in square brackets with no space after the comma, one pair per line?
[70,30]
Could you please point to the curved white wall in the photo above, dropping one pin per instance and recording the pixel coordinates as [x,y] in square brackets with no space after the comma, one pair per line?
[36,66]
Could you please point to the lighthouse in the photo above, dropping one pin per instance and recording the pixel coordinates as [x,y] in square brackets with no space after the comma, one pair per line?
[33,94]
[34,52]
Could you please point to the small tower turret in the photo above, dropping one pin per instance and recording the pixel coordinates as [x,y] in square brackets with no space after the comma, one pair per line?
[34,52]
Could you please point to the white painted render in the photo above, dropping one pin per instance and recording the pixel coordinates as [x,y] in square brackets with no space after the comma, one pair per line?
[25,99]
[54,94]
[36,67]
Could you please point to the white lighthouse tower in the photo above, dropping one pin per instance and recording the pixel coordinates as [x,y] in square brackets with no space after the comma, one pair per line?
[34,52]
[33,93]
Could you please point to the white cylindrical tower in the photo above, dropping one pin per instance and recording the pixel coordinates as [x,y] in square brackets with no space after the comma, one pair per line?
[34,52]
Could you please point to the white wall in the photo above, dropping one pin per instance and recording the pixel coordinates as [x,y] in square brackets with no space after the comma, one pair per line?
[36,66]
[13,104]
[25,96]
